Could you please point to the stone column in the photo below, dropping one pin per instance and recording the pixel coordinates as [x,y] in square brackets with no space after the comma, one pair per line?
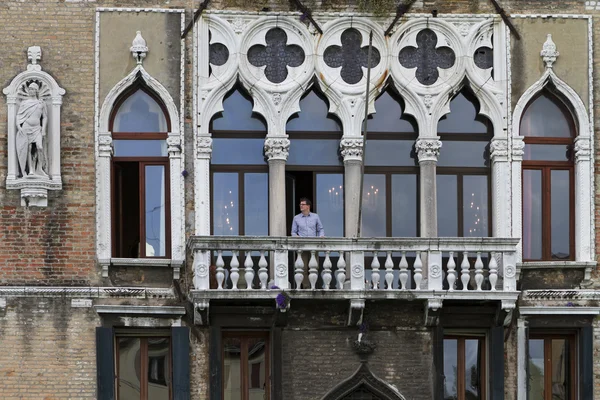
[202,181]
[277,150]
[518,147]
[352,151]
[521,359]
[500,187]
[428,151]
[583,199]
[103,203]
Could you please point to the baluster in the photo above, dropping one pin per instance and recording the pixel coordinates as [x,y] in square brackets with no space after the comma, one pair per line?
[418,271]
[220,269]
[479,271]
[299,270]
[340,273]
[235,275]
[493,271]
[403,277]
[249,271]
[263,273]
[464,271]
[326,271]
[451,272]
[375,271]
[313,270]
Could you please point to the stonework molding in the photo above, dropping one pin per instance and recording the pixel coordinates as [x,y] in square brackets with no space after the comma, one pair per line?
[428,149]
[499,150]
[34,102]
[277,148]
[87,292]
[352,149]
[364,378]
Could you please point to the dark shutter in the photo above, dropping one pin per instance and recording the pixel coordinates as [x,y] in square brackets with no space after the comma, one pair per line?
[180,337]
[497,363]
[586,366]
[105,363]
[215,363]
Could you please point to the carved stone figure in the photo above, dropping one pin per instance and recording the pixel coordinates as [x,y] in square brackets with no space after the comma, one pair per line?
[32,121]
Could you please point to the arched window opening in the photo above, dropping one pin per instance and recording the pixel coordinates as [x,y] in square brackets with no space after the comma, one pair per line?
[463,170]
[239,172]
[314,167]
[549,130]
[140,175]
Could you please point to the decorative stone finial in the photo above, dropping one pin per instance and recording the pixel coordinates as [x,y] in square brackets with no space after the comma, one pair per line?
[138,48]
[549,52]
[34,54]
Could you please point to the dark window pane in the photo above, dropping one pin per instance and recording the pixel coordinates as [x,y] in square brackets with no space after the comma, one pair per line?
[404,205]
[388,116]
[330,203]
[313,116]
[447,202]
[156,239]
[463,154]
[257,379]
[560,369]
[536,369]
[238,151]
[560,195]
[126,209]
[225,203]
[373,206]
[232,377]
[389,153]
[547,152]
[546,117]
[532,214]
[472,369]
[237,115]
[129,368]
[140,148]
[140,113]
[475,206]
[159,375]
[450,369]
[314,152]
[256,204]
[462,118]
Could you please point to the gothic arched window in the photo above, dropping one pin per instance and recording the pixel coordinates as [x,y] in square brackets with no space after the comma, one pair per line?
[140,175]
[463,170]
[548,129]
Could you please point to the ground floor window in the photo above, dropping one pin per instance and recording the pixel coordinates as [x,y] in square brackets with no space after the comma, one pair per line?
[246,366]
[552,367]
[464,367]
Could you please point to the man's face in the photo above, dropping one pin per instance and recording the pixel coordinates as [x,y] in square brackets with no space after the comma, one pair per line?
[304,207]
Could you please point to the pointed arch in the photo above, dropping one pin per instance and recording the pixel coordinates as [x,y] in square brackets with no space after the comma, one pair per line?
[364,380]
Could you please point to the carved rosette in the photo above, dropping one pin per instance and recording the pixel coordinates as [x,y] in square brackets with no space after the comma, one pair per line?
[352,149]
[583,151]
[105,147]
[518,147]
[499,150]
[428,149]
[277,148]
[549,52]
[204,147]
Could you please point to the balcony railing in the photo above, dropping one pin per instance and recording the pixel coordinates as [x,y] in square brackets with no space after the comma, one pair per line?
[457,266]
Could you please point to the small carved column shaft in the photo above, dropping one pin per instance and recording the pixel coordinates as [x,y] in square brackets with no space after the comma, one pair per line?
[517,151]
[202,171]
[276,150]
[500,187]
[105,151]
[352,151]
[428,151]
[583,194]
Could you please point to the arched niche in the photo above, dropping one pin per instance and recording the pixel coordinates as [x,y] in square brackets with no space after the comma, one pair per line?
[363,382]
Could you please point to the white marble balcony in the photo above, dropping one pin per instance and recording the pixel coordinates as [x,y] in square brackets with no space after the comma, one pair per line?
[433,269]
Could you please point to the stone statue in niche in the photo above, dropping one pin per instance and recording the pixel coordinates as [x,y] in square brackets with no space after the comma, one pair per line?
[32,124]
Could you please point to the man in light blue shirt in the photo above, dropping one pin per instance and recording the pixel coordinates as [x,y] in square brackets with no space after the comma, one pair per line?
[307,224]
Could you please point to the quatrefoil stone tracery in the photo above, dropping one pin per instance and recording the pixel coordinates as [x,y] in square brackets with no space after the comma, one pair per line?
[276,55]
[351,56]
[427,58]
[218,53]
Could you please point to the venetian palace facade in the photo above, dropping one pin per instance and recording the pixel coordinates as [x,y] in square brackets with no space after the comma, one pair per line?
[154,152]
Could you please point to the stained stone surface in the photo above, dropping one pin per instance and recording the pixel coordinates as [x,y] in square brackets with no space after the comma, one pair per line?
[484,57]
[276,55]
[351,56]
[427,58]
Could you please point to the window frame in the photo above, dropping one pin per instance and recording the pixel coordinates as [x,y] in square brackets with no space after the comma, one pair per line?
[572,339]
[460,361]
[244,336]
[142,161]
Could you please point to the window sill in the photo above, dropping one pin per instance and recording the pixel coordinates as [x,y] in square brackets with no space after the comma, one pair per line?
[587,266]
[142,262]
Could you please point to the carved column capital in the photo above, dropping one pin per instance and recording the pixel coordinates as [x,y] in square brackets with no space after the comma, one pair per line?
[352,149]
[582,148]
[204,147]
[277,148]
[105,146]
[518,147]
[428,149]
[174,146]
[499,150]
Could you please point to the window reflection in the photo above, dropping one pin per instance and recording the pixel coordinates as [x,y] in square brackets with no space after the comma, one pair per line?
[447,203]
[313,116]
[140,113]
[463,117]
[374,206]
[390,153]
[314,152]
[237,115]
[155,211]
[140,148]
[404,205]
[389,116]
[241,151]
[532,214]
[129,368]
[546,116]
[330,200]
[450,369]
[475,206]
[560,200]
[256,204]
[232,382]
[225,203]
